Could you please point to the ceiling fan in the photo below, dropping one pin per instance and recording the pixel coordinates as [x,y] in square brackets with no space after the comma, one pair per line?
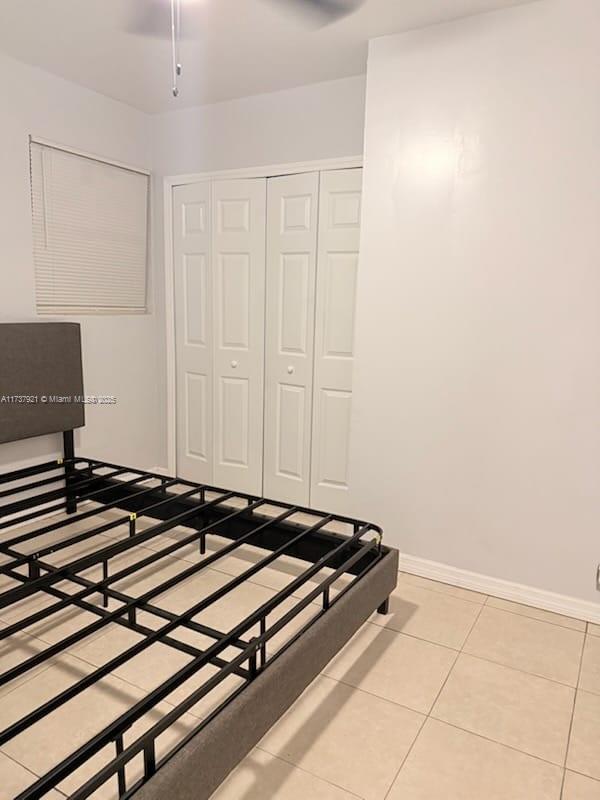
[162,19]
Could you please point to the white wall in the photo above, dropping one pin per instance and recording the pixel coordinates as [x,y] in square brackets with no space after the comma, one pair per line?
[119,351]
[477,387]
[323,120]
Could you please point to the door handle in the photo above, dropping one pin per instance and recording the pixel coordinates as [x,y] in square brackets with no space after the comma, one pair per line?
[290,370]
[234,364]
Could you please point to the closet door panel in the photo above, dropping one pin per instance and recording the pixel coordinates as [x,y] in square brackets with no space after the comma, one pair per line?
[292,213]
[193,326]
[238,252]
[338,246]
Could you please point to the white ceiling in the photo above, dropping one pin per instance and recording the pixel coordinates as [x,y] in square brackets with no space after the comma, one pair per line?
[233,48]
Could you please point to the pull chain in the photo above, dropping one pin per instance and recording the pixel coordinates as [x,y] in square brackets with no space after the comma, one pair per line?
[175,37]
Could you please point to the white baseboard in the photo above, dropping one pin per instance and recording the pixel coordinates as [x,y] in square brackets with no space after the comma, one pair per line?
[528,595]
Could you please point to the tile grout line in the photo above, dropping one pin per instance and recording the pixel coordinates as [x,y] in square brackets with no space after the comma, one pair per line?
[304,770]
[451,670]
[483,606]
[413,636]
[583,775]
[428,715]
[466,652]
[518,669]
[369,694]
[405,759]
[502,744]
[491,597]
[475,621]
[377,696]
[385,627]
[481,602]
[30,771]
[5,692]
[536,619]
[562,788]
[457,654]
[496,742]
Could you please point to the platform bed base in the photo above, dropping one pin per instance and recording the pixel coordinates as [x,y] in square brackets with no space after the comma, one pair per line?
[271,678]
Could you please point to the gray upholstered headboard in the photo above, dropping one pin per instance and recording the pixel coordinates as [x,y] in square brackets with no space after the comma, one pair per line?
[40,361]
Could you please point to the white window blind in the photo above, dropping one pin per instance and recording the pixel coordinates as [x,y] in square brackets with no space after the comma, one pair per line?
[90,233]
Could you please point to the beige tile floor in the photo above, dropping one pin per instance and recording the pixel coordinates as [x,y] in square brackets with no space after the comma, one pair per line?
[453,695]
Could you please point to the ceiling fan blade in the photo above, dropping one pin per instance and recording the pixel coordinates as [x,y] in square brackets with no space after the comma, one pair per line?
[325,10]
[151,18]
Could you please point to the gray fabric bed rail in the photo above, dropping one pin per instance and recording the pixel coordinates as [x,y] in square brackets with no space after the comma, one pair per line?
[41,379]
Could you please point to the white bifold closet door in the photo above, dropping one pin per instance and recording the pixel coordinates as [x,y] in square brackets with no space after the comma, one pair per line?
[238,255]
[193,330]
[219,261]
[265,293]
[337,265]
[292,214]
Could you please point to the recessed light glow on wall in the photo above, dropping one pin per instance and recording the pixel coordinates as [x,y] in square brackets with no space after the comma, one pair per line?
[436,160]
[432,158]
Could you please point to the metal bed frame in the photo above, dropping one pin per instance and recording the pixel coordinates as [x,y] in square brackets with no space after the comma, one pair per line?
[102,484]
[116,510]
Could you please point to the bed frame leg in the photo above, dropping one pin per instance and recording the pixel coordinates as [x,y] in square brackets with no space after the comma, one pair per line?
[69,454]
[384,608]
